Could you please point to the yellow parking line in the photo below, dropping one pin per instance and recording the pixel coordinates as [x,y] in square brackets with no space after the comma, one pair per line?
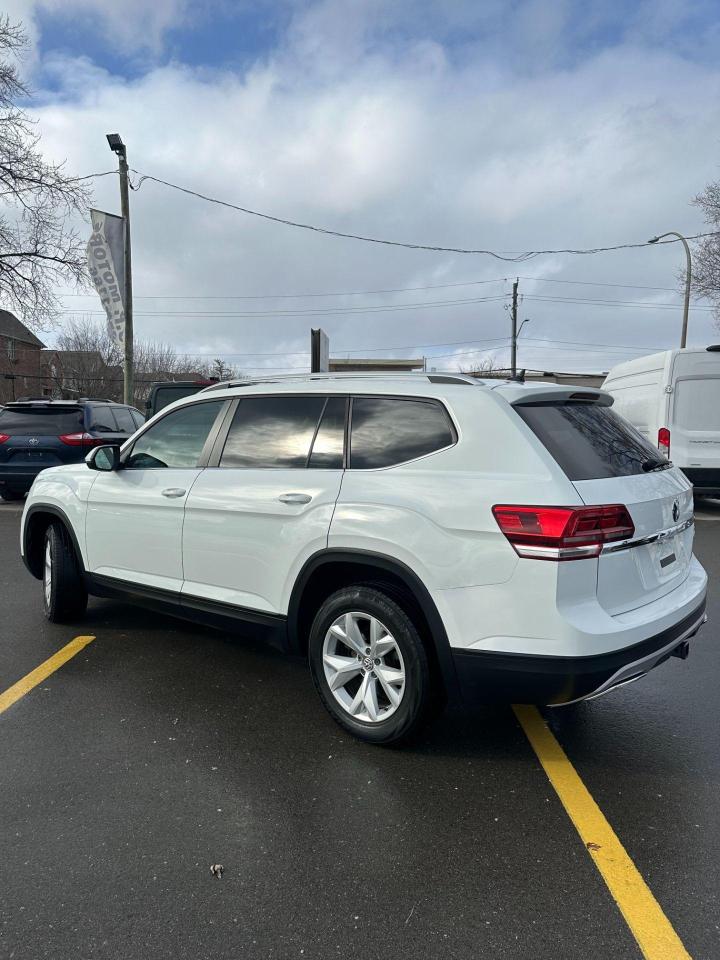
[650,927]
[36,676]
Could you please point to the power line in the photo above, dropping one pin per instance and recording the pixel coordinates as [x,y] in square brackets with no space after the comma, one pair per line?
[517,258]
[594,301]
[321,312]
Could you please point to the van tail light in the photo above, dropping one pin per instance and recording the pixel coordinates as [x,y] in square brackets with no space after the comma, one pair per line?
[4,437]
[664,441]
[81,440]
[563,533]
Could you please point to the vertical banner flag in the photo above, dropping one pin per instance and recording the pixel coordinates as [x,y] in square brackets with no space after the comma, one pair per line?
[106,262]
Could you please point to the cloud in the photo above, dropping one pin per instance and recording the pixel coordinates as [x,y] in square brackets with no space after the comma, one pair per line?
[357,122]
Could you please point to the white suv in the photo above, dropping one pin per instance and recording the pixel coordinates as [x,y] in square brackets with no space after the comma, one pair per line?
[418,537]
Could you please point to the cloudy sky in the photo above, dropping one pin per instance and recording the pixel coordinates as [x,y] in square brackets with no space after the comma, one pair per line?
[512,125]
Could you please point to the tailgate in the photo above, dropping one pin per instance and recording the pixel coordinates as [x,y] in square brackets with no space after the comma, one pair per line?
[661,506]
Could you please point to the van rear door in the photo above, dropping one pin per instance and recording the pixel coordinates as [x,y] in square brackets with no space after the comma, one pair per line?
[609,462]
[695,420]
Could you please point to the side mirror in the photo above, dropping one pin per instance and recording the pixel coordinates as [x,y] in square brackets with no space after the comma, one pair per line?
[105,458]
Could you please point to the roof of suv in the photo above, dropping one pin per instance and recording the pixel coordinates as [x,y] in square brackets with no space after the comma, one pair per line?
[51,402]
[419,384]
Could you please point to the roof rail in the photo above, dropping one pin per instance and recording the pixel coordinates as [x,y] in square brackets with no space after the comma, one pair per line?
[363,375]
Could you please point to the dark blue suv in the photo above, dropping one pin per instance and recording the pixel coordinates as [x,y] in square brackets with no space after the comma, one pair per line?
[35,434]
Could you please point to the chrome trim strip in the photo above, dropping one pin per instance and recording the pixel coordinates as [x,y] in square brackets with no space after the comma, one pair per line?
[654,538]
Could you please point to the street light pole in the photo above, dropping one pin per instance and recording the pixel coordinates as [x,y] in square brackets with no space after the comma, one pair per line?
[688,278]
[118,147]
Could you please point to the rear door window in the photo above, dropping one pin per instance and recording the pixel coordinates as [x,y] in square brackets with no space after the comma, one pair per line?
[272,432]
[589,441]
[388,431]
[102,420]
[40,421]
[125,422]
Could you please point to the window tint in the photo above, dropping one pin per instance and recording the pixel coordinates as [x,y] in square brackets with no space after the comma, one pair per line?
[327,450]
[40,421]
[163,396]
[272,432]
[176,440]
[125,422]
[385,432]
[588,441]
[102,420]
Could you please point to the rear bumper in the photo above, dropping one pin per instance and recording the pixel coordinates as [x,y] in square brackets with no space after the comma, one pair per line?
[705,480]
[485,676]
[21,477]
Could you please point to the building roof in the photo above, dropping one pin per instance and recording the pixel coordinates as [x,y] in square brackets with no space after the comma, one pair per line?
[357,364]
[15,329]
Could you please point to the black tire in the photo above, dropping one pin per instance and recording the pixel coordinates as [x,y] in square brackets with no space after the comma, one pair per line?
[64,597]
[11,495]
[416,698]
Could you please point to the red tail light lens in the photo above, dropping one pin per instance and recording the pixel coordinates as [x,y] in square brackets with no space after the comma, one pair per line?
[4,437]
[563,533]
[81,440]
[664,441]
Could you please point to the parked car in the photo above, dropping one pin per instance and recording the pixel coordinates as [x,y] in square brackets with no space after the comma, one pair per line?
[36,434]
[417,537]
[673,399]
[168,391]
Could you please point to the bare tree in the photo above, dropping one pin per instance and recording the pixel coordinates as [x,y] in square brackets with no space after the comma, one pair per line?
[706,256]
[87,362]
[38,247]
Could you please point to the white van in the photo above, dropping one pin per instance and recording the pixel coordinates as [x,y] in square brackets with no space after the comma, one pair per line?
[673,399]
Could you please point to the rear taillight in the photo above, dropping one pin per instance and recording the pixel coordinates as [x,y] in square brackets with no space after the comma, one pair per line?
[664,441]
[81,440]
[563,533]
[4,437]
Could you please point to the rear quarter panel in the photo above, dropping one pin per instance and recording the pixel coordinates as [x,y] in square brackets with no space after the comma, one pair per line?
[434,514]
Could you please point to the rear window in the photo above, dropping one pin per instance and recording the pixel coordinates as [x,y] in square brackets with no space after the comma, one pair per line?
[589,441]
[42,421]
[163,396]
[697,404]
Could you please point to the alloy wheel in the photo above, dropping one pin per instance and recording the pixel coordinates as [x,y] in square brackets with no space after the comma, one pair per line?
[47,574]
[364,667]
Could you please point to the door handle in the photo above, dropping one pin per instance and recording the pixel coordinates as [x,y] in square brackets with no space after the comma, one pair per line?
[174,492]
[295,498]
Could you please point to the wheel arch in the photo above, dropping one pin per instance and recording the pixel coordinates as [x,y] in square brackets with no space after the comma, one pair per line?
[38,519]
[330,569]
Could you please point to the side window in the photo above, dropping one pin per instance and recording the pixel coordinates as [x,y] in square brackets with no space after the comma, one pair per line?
[271,432]
[137,417]
[177,440]
[388,431]
[125,422]
[102,420]
[329,443]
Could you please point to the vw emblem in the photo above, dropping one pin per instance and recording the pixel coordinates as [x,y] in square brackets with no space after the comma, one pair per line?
[676,511]
[367,663]
[33,441]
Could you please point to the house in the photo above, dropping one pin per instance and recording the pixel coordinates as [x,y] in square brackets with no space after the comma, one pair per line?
[80,373]
[21,373]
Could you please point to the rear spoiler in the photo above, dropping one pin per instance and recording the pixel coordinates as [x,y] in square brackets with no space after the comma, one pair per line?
[563,396]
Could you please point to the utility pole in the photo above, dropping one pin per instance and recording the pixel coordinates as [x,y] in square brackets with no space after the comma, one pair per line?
[118,147]
[688,280]
[514,333]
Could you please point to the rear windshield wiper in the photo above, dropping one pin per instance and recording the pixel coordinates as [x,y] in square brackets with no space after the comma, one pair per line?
[649,465]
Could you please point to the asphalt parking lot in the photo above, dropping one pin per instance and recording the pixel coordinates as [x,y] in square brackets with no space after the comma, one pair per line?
[162,748]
